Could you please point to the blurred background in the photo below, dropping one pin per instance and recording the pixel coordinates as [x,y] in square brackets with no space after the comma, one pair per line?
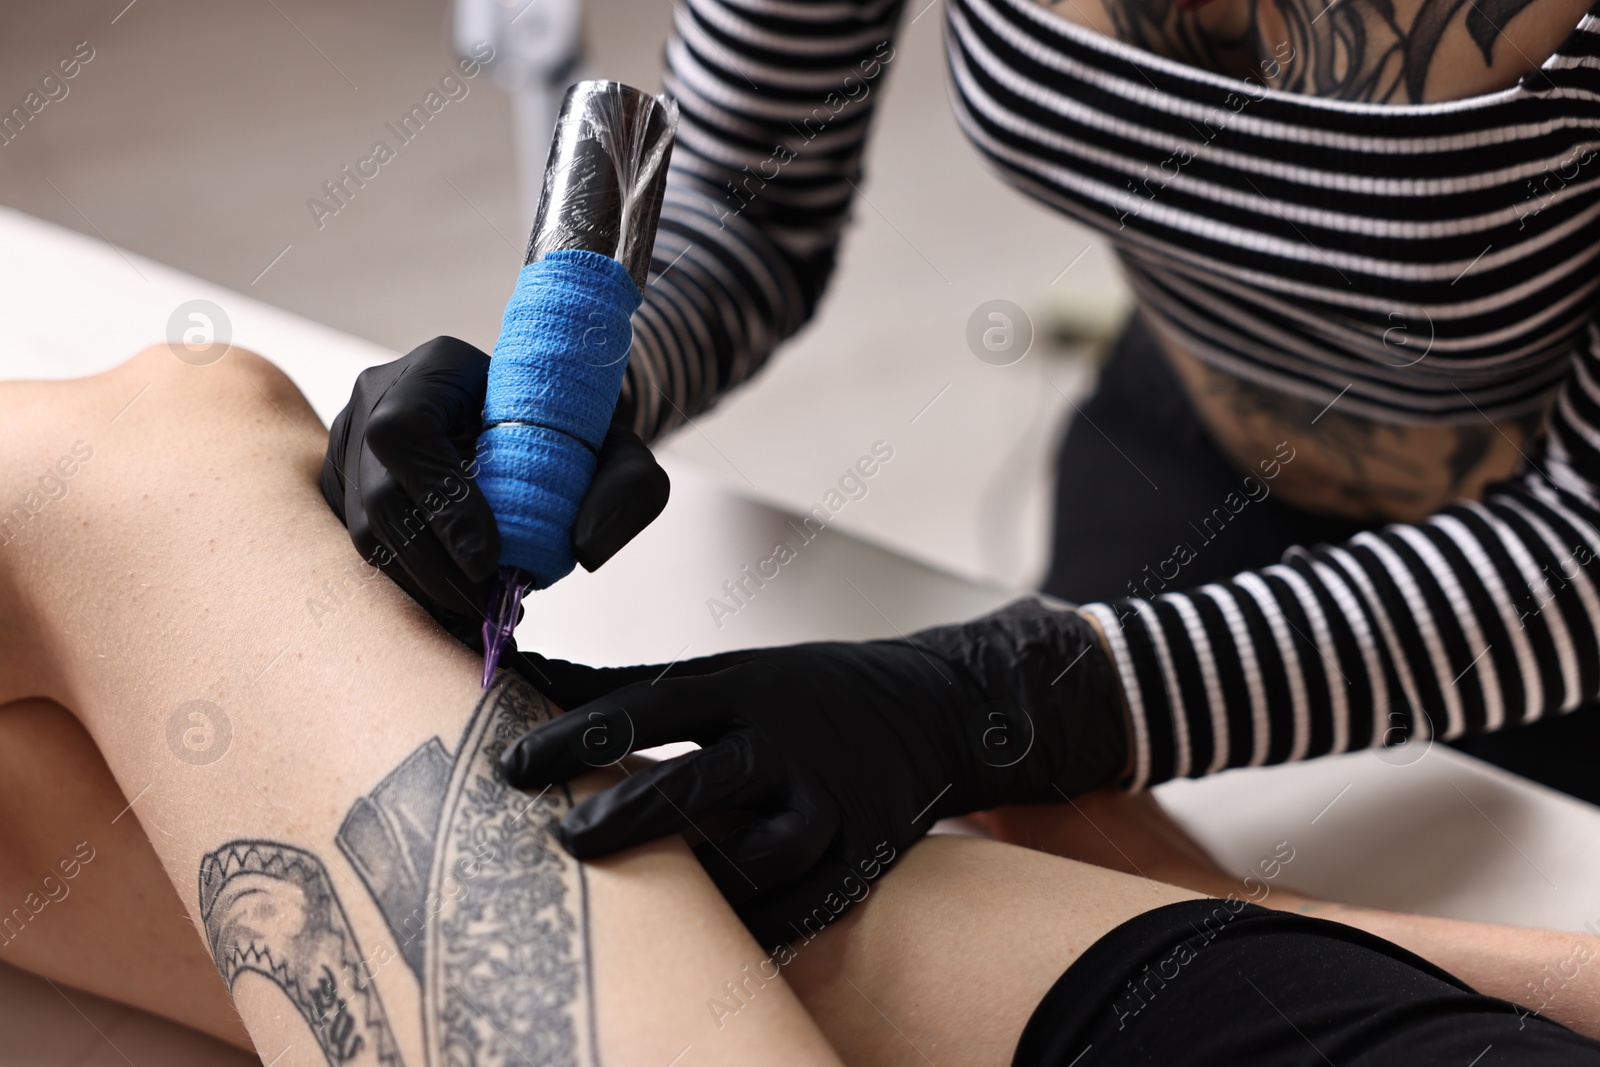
[199,131]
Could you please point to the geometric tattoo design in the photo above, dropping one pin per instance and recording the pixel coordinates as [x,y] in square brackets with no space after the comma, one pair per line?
[487,912]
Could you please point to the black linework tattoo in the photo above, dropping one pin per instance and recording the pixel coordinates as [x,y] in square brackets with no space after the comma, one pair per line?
[269,908]
[1358,50]
[388,838]
[1365,50]
[488,914]
[1188,34]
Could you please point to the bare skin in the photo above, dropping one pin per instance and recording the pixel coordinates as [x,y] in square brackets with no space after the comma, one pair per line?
[1373,51]
[1349,466]
[137,915]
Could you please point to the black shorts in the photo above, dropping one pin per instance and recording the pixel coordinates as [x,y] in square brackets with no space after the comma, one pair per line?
[1205,982]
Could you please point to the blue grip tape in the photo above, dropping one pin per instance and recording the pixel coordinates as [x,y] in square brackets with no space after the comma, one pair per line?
[554,380]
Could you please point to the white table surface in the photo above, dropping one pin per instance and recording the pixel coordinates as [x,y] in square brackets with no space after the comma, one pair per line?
[1430,831]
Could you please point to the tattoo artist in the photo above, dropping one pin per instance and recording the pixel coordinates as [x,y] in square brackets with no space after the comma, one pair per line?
[1273,396]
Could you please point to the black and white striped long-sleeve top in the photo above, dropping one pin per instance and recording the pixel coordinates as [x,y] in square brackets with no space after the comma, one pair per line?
[1285,239]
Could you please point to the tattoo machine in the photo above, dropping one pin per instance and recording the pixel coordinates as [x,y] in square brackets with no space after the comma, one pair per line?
[557,369]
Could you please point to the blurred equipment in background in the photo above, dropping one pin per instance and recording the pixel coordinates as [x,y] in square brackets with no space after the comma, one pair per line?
[538,46]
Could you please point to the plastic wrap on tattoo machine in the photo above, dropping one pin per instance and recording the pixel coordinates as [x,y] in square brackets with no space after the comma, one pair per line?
[606,175]
[557,368]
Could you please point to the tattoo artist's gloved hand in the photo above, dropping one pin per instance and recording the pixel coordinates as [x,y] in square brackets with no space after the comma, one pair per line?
[843,754]
[401,473]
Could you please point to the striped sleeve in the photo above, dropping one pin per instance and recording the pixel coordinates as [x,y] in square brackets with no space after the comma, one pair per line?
[1483,616]
[775,100]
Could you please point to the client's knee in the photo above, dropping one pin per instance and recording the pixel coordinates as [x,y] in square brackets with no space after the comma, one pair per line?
[220,402]
[227,375]
[154,431]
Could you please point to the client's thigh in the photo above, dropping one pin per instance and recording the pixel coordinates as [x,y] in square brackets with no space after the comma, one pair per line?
[83,899]
[313,761]
[953,949]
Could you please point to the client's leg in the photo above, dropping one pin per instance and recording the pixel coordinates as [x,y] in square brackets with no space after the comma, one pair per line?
[956,945]
[86,902]
[313,761]
[954,949]
[948,954]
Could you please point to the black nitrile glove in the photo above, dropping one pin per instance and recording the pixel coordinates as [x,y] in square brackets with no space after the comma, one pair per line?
[843,753]
[401,473]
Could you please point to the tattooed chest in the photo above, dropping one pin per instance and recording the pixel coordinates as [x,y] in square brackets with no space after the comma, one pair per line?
[1375,51]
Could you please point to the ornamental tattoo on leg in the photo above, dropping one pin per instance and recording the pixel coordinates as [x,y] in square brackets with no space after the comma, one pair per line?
[489,915]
